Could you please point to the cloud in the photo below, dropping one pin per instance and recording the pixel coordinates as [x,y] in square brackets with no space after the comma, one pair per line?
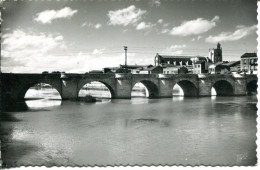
[84,24]
[126,16]
[199,37]
[160,21]
[177,52]
[91,25]
[154,3]
[1,19]
[194,27]
[97,26]
[98,51]
[20,40]
[240,32]
[166,30]
[177,46]
[143,26]
[46,17]
[166,25]
[174,49]
[28,50]
[88,62]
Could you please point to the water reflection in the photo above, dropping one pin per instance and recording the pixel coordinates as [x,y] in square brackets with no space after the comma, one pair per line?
[139,100]
[213,97]
[178,98]
[41,103]
[102,101]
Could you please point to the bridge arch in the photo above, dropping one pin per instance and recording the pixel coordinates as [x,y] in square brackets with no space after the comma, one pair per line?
[108,86]
[223,88]
[251,87]
[26,87]
[188,88]
[153,90]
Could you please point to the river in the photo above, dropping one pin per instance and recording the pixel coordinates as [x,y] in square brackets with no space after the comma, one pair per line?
[188,131]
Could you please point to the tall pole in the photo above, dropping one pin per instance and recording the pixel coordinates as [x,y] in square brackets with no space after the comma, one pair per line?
[125,48]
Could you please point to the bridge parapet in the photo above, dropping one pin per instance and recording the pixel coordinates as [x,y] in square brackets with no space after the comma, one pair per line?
[236,75]
[123,76]
[145,75]
[165,76]
[29,76]
[90,75]
[203,76]
[106,75]
[191,76]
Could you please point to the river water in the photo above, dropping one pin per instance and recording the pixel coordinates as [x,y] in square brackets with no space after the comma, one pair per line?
[188,131]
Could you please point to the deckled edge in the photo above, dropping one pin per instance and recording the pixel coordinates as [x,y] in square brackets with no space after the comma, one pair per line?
[257,106]
[1,2]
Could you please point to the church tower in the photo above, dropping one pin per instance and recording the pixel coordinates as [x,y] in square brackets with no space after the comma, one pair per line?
[215,54]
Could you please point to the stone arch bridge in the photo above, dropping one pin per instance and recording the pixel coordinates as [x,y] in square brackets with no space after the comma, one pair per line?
[14,86]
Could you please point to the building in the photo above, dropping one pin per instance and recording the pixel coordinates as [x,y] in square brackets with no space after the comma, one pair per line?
[110,69]
[122,70]
[215,54]
[175,70]
[234,66]
[200,67]
[224,67]
[95,72]
[152,70]
[135,69]
[249,63]
[177,60]
[218,68]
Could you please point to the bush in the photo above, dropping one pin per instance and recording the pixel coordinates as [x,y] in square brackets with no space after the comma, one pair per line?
[89,99]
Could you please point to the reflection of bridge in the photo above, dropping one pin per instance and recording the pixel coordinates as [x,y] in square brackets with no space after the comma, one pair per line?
[14,86]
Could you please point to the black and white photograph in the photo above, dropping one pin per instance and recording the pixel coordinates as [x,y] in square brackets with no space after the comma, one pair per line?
[88,83]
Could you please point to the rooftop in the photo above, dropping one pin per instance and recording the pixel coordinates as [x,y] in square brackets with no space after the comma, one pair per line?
[199,62]
[151,68]
[180,56]
[249,55]
[135,66]
[232,63]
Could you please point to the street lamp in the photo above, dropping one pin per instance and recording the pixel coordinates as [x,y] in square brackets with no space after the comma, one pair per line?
[125,48]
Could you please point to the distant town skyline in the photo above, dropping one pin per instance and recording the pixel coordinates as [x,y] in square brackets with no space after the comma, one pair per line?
[89,35]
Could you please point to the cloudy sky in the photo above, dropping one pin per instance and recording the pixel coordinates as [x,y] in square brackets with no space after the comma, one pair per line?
[85,35]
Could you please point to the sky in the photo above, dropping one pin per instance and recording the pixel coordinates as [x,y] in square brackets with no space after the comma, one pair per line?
[86,35]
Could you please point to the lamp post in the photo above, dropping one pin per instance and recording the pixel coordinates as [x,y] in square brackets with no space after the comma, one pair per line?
[125,48]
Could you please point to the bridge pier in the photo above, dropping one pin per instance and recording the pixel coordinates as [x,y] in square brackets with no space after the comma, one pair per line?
[240,86]
[205,86]
[69,89]
[123,86]
[166,84]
